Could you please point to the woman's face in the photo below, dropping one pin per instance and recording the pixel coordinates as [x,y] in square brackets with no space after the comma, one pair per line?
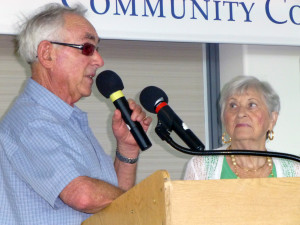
[246,117]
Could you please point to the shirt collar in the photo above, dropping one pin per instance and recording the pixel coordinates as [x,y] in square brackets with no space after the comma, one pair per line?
[47,99]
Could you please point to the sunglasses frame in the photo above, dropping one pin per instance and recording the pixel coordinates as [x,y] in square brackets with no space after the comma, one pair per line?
[81,47]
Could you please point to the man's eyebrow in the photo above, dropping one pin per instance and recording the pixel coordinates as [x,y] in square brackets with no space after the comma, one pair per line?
[92,37]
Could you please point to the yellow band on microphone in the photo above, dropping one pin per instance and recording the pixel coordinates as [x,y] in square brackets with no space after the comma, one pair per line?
[116,95]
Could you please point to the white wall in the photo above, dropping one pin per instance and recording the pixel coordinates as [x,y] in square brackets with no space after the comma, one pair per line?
[280,66]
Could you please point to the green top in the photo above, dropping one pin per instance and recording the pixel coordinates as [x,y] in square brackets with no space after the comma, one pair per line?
[227,173]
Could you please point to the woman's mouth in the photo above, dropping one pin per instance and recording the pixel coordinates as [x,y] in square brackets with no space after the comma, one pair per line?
[242,125]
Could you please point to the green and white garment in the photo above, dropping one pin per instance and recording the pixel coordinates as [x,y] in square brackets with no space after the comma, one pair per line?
[210,167]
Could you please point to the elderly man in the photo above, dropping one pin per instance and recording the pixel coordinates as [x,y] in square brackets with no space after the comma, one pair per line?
[52,169]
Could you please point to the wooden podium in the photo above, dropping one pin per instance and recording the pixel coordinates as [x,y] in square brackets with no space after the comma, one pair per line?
[159,201]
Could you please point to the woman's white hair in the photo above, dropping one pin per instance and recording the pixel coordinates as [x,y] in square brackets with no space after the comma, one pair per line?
[46,25]
[241,84]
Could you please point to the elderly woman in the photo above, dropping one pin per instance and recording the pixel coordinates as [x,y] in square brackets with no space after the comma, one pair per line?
[249,111]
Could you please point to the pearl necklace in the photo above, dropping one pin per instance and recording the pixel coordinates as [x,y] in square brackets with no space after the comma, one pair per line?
[233,160]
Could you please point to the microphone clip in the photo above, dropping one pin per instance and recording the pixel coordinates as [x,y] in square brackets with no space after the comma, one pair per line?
[162,131]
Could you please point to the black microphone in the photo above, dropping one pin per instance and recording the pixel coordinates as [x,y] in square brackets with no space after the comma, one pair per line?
[155,100]
[110,85]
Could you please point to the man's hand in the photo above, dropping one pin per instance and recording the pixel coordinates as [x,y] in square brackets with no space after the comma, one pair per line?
[127,145]
[125,141]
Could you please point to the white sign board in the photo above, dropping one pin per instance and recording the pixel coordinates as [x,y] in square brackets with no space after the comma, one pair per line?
[271,22]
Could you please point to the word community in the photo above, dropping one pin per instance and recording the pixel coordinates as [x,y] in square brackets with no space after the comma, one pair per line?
[202,10]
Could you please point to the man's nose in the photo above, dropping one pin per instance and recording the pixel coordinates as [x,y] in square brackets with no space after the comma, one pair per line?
[98,59]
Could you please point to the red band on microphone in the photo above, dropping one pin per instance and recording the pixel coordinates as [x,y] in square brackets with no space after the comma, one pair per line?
[160,106]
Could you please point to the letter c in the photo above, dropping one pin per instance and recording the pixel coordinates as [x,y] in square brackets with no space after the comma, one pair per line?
[269,14]
[64,2]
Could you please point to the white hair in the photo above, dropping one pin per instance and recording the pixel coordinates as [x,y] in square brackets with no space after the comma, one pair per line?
[46,25]
[240,84]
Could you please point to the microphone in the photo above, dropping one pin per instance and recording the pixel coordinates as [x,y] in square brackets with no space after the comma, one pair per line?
[110,86]
[155,100]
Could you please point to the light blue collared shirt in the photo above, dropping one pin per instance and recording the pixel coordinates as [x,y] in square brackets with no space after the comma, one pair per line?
[45,144]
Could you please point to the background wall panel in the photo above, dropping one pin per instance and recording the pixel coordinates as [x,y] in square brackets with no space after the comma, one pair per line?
[174,67]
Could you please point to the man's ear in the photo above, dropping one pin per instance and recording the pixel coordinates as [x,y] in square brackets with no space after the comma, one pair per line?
[45,54]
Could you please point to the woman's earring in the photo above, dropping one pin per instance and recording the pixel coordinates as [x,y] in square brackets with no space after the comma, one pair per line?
[223,138]
[271,135]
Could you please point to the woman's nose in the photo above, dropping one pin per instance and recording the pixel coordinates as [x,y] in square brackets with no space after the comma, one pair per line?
[242,112]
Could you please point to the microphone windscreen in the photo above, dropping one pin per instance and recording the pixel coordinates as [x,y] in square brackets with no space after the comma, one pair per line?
[108,82]
[151,96]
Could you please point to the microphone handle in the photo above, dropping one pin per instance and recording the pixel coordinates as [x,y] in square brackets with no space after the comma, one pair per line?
[135,127]
[173,122]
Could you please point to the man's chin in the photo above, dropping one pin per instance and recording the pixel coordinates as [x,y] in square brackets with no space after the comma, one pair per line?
[86,93]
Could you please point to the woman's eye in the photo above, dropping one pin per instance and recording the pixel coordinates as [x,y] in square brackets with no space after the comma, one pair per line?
[232,105]
[252,104]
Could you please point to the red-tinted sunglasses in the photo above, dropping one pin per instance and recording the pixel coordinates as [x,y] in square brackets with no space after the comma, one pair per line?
[86,49]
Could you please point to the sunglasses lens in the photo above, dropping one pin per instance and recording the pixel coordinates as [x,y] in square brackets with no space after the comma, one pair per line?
[88,49]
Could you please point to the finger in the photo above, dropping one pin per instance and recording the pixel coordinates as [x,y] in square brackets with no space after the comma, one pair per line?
[117,118]
[147,120]
[137,112]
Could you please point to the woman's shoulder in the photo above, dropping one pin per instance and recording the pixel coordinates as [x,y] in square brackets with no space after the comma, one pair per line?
[204,167]
[289,168]
[204,157]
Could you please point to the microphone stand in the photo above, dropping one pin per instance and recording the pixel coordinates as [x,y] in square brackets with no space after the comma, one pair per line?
[163,132]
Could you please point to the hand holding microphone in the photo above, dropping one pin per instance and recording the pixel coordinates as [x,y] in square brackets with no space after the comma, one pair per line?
[110,86]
